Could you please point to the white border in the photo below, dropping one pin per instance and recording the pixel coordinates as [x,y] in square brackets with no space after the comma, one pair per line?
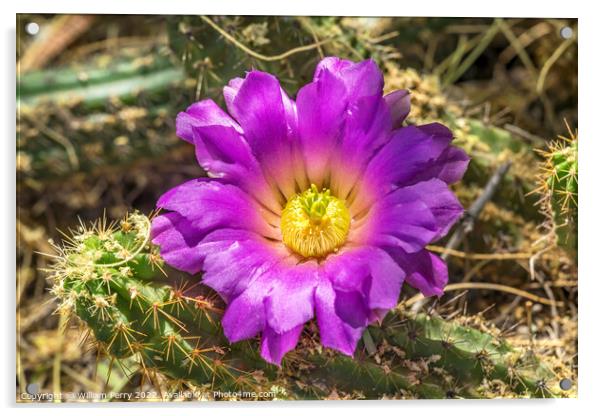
[590,341]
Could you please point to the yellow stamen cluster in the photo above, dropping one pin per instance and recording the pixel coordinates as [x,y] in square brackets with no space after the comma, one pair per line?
[314,223]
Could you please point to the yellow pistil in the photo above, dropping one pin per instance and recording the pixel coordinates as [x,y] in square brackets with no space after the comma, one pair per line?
[314,224]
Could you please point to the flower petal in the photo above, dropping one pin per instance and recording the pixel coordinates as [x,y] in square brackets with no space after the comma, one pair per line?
[178,240]
[245,317]
[409,217]
[361,79]
[427,272]
[352,308]
[320,108]
[202,113]
[397,220]
[405,158]
[410,150]
[367,128]
[222,150]
[267,117]
[440,200]
[291,300]
[275,345]
[449,166]
[324,106]
[367,270]
[331,64]
[199,207]
[290,109]
[334,332]
[233,258]
[230,92]
[209,205]
[225,154]
[399,106]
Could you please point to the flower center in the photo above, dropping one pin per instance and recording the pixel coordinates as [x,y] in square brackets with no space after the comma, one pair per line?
[314,224]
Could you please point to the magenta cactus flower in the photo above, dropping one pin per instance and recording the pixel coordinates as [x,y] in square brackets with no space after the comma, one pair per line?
[316,207]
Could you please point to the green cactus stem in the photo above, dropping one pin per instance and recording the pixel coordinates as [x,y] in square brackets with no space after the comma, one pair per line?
[559,189]
[94,83]
[473,357]
[104,276]
[114,280]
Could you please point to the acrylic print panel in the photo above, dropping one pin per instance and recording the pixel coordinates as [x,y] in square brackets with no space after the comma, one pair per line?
[295,208]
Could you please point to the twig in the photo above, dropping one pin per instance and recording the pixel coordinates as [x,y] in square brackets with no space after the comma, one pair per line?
[488,286]
[306,22]
[467,223]
[479,256]
[524,134]
[58,357]
[257,55]
[61,32]
[473,56]
[551,61]
[526,38]
[518,47]
[59,138]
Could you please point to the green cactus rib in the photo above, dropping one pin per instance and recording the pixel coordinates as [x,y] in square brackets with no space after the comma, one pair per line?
[561,181]
[111,277]
[368,380]
[472,356]
[92,84]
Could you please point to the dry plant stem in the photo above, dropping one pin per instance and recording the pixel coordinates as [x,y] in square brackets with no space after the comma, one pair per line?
[551,61]
[518,47]
[467,223]
[20,370]
[546,287]
[257,55]
[456,57]
[60,139]
[111,43]
[77,377]
[487,286]
[473,56]
[474,270]
[535,140]
[306,22]
[479,256]
[57,36]
[525,39]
